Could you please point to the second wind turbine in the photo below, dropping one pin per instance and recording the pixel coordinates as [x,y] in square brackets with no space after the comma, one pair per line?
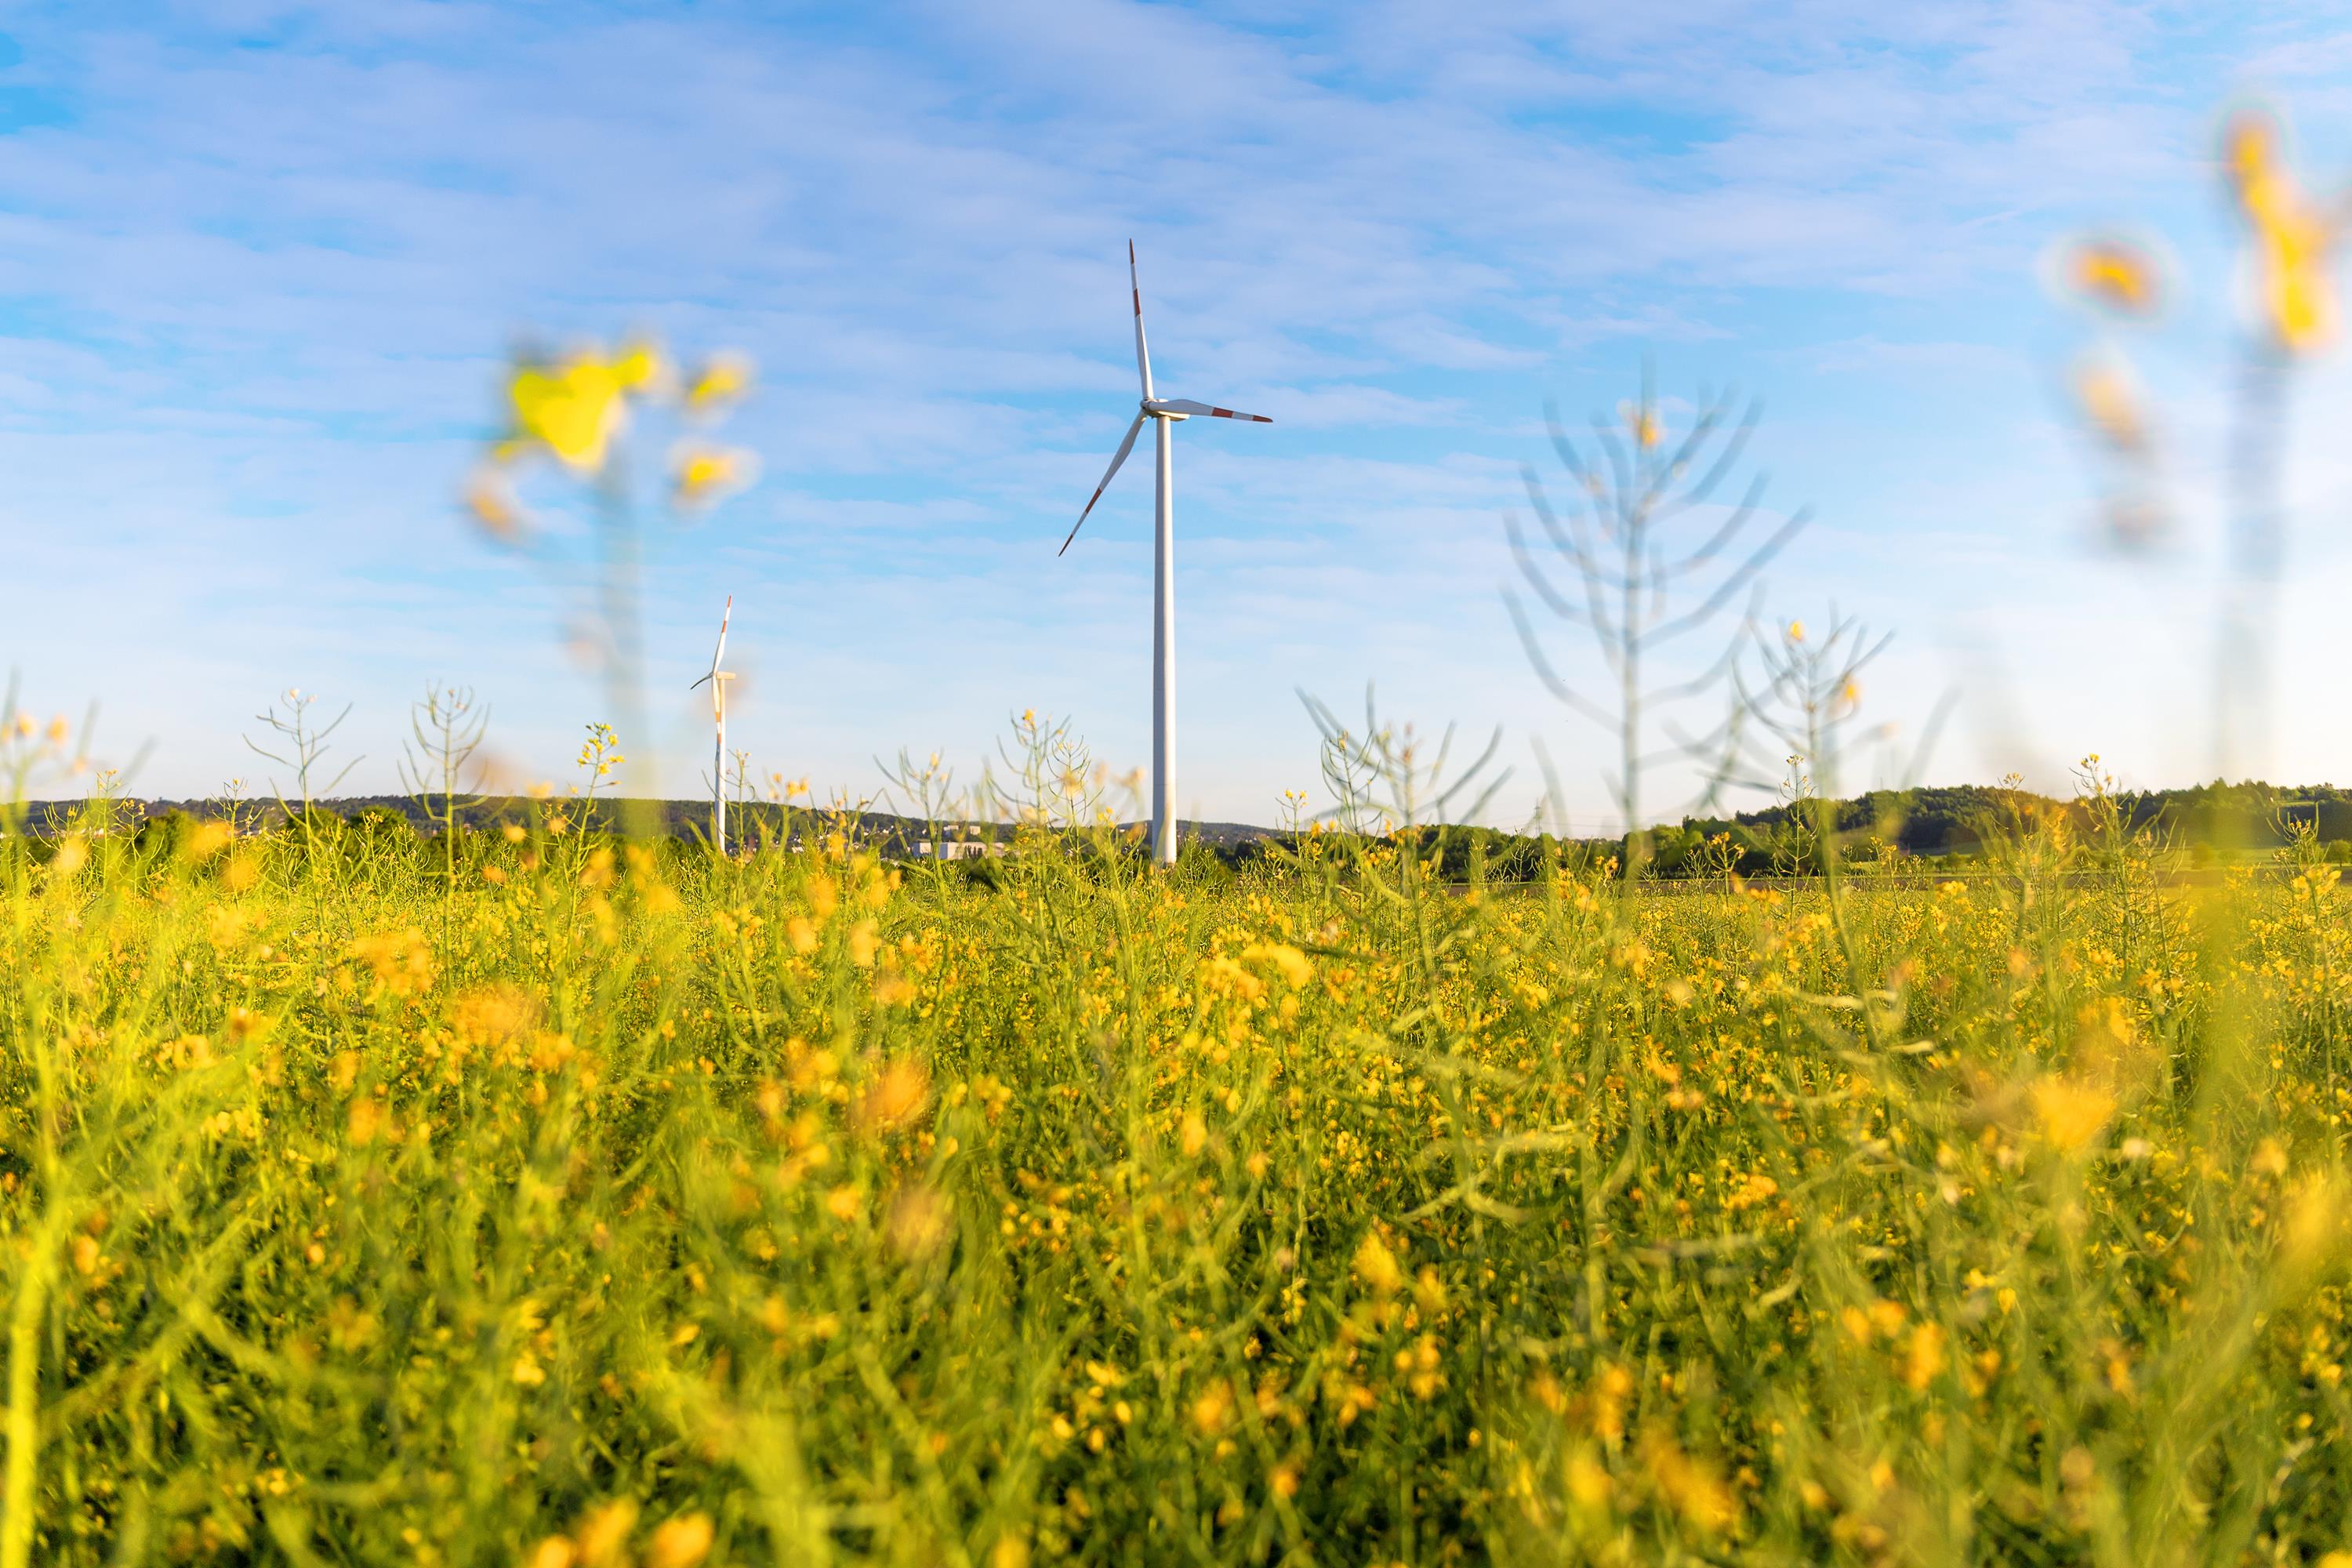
[717,679]
[1166,413]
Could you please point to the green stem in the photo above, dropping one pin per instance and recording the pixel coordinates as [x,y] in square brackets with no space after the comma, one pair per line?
[25,1315]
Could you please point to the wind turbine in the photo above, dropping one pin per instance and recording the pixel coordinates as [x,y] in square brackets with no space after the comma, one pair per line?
[717,679]
[1166,413]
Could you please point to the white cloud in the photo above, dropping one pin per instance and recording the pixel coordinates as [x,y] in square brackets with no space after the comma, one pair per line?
[256,295]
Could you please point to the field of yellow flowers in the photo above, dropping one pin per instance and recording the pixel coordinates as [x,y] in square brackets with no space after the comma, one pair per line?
[617,1205]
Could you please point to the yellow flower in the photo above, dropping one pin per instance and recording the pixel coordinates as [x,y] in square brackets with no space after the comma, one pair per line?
[2291,237]
[1193,1135]
[702,475]
[401,961]
[894,1097]
[1376,1266]
[639,367]
[73,854]
[1690,1487]
[1292,964]
[1924,1357]
[493,1014]
[1211,1410]
[2314,1224]
[722,379]
[2114,273]
[208,840]
[680,1543]
[574,410]
[604,1532]
[2071,1113]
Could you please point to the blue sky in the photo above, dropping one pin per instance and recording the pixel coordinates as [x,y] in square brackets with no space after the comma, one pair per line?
[259,265]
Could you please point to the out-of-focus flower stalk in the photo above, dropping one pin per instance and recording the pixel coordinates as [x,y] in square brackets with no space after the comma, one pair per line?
[2290,244]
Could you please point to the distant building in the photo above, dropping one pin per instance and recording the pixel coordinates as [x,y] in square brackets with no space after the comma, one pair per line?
[956,850]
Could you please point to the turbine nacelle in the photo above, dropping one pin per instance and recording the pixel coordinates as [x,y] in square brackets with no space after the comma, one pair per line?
[714,681]
[717,675]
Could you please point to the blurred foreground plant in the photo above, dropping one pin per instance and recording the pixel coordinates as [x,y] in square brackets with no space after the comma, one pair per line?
[576,411]
[1640,531]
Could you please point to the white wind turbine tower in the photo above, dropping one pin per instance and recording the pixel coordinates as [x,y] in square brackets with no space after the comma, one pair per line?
[717,679]
[1166,413]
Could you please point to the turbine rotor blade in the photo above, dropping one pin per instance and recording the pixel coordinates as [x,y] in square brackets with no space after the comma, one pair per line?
[1142,354]
[703,681]
[721,651]
[1116,460]
[1186,405]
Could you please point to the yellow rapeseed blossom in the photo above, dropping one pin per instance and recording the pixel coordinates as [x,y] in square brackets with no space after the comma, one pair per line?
[573,410]
[1924,1355]
[2292,238]
[722,379]
[1212,1407]
[1690,1487]
[893,1096]
[208,840]
[1293,966]
[1587,1483]
[2115,273]
[401,961]
[702,475]
[602,1533]
[1376,1266]
[2070,1112]
[1192,1136]
[680,1543]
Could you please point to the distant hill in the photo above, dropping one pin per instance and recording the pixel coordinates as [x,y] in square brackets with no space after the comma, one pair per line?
[681,819]
[1945,819]
[1931,825]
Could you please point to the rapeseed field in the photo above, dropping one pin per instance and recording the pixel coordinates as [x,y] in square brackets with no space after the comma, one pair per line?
[546,1199]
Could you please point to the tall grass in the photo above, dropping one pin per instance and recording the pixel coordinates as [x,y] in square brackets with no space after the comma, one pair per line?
[611,1204]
